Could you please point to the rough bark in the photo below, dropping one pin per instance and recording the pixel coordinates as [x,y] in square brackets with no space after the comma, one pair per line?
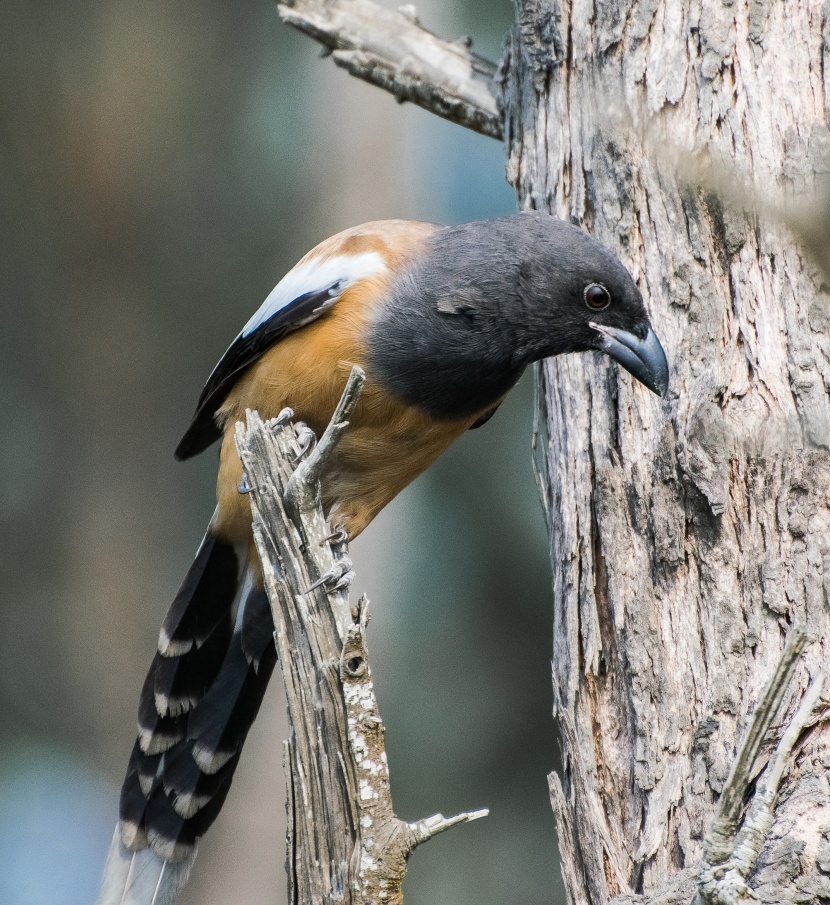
[345,845]
[687,535]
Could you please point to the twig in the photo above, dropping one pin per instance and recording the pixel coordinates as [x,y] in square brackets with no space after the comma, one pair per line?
[392,50]
[345,844]
[721,836]
[303,490]
[424,830]
[730,856]
[760,814]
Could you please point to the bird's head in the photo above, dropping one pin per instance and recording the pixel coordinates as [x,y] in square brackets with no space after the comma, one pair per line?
[576,296]
[480,301]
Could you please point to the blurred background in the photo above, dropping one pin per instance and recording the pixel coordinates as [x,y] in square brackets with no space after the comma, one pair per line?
[161,166]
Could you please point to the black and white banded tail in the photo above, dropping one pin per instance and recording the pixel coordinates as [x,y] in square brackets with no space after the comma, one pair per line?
[202,693]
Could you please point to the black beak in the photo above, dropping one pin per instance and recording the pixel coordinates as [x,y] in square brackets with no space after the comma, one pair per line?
[644,358]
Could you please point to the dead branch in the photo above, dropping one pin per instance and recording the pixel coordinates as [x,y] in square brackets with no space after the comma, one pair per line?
[345,844]
[392,50]
[730,854]
[732,845]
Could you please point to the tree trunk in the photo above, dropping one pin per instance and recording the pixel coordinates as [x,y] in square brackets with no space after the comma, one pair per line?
[685,536]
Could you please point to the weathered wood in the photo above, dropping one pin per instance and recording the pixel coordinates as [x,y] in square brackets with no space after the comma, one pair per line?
[345,844]
[720,840]
[392,50]
[732,846]
[687,535]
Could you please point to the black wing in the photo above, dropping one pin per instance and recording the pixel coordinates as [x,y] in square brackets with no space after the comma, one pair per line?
[243,352]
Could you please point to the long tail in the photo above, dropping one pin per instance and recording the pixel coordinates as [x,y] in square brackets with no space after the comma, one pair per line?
[201,695]
[141,878]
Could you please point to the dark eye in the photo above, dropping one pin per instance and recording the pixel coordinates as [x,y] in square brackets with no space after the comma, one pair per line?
[597,296]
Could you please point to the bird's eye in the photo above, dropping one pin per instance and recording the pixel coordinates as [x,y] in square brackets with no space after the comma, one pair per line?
[597,296]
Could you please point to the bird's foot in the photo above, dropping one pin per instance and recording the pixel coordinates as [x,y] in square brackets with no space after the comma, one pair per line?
[285,415]
[339,576]
[307,440]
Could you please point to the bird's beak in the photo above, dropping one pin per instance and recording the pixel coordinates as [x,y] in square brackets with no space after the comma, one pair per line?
[644,358]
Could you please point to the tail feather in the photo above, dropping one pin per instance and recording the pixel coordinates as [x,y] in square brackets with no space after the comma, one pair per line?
[181,682]
[257,627]
[220,723]
[156,733]
[189,788]
[141,878]
[148,768]
[204,598]
[174,837]
[134,800]
[201,695]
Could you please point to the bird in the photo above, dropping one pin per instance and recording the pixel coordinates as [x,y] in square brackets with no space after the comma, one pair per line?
[443,320]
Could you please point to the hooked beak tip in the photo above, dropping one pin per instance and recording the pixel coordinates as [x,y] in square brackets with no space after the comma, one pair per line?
[642,358]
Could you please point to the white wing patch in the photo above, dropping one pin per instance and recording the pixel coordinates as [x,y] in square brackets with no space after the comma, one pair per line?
[314,275]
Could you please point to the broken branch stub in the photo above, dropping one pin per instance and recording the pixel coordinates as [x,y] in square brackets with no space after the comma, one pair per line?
[345,844]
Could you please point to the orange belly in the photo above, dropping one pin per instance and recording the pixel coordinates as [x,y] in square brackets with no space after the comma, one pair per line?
[387,445]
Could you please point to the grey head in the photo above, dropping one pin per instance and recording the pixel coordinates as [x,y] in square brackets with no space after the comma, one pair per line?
[484,300]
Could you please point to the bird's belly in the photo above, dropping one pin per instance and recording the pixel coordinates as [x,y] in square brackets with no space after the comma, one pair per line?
[376,461]
[387,445]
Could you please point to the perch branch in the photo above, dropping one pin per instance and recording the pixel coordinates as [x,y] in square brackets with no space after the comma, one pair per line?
[730,856]
[345,844]
[392,50]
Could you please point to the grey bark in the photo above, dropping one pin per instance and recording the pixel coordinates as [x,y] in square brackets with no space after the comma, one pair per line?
[687,535]
[345,845]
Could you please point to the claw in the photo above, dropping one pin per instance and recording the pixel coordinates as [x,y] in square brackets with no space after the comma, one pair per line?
[244,486]
[307,440]
[340,536]
[338,576]
[326,577]
[285,415]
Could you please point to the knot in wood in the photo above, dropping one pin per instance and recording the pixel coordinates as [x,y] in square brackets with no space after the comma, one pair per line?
[354,667]
[353,658]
